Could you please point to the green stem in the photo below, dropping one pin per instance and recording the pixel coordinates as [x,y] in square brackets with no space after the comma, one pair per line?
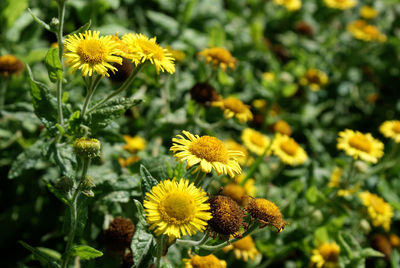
[61,15]
[191,243]
[351,169]
[256,163]
[199,177]
[124,86]
[251,229]
[3,89]
[160,248]
[91,88]
[73,204]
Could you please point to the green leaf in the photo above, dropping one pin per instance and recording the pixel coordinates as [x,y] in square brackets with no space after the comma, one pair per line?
[107,113]
[42,255]
[142,241]
[26,160]
[369,252]
[44,103]
[164,21]
[312,194]
[83,28]
[148,181]
[53,65]
[13,10]
[86,252]
[39,21]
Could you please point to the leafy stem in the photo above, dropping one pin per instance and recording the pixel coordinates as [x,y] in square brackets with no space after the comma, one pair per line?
[191,243]
[124,86]
[161,241]
[73,206]
[91,85]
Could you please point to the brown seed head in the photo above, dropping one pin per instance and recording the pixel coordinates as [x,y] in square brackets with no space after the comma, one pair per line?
[204,93]
[124,70]
[266,212]
[9,65]
[382,244]
[234,191]
[227,217]
[119,235]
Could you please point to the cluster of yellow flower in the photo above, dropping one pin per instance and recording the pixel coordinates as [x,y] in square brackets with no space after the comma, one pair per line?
[92,53]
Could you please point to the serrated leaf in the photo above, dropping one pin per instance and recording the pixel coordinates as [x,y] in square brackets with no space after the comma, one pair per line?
[57,193]
[142,241]
[41,255]
[102,116]
[43,102]
[86,252]
[26,160]
[148,181]
[53,65]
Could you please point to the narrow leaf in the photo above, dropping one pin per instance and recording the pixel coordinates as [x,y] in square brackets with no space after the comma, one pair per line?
[41,255]
[86,252]
[83,28]
[39,21]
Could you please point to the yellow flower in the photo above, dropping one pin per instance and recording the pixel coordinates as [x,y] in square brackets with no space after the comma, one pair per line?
[124,162]
[219,56]
[259,104]
[359,145]
[244,160]
[140,49]
[281,126]
[244,249]
[391,129]
[92,53]
[340,4]
[178,55]
[288,150]
[269,76]
[209,261]
[368,12]
[365,32]
[326,255]
[249,186]
[176,208]
[255,141]
[234,107]
[134,144]
[335,177]
[9,64]
[314,79]
[349,191]
[207,151]
[291,5]
[379,211]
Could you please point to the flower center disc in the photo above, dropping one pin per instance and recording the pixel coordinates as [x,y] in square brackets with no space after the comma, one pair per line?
[328,253]
[361,143]
[210,149]
[290,147]
[235,105]
[149,47]
[92,51]
[396,127]
[177,207]
[257,139]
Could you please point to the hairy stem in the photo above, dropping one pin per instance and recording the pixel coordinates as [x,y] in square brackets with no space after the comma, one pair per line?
[61,15]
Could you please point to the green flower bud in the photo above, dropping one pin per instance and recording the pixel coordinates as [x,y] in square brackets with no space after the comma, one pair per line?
[88,182]
[85,147]
[65,184]
[54,24]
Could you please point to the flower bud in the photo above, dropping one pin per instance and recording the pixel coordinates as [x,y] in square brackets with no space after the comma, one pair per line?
[88,182]
[54,24]
[88,148]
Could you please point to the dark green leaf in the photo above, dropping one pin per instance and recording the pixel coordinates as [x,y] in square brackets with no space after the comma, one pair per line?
[41,255]
[43,102]
[148,181]
[26,160]
[141,241]
[83,28]
[86,252]
[53,65]
[101,117]
[369,252]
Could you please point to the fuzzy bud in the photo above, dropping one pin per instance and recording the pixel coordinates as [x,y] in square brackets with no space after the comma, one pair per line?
[88,182]
[88,148]
[65,184]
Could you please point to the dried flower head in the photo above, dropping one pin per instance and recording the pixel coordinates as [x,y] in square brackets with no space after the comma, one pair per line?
[119,235]
[10,65]
[382,244]
[266,212]
[204,93]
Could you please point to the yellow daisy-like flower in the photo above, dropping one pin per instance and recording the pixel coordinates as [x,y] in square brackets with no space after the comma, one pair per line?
[10,65]
[176,208]
[244,249]
[340,4]
[207,151]
[359,145]
[219,56]
[288,150]
[326,255]
[92,53]
[255,141]
[391,129]
[368,12]
[244,160]
[291,5]
[359,29]
[140,49]
[268,76]
[379,211]
[124,162]
[281,126]
[335,177]
[234,107]
[209,261]
[314,79]
[178,55]
[134,144]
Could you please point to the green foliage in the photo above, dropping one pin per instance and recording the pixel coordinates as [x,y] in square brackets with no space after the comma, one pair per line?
[85,252]
[53,65]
